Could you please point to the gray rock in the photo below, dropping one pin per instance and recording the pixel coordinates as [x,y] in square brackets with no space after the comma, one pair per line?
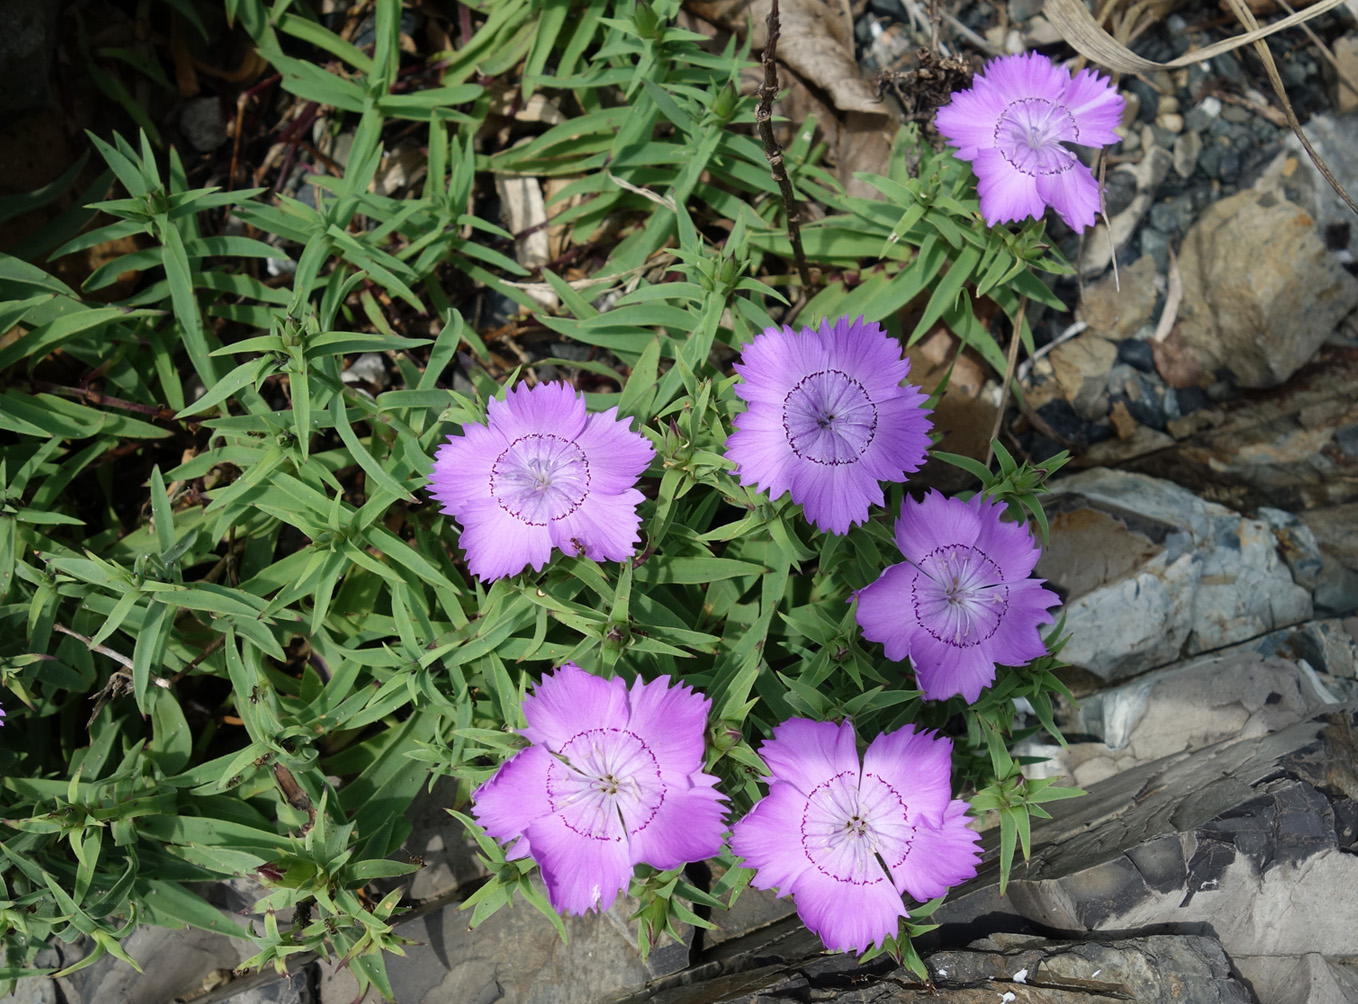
[1116,310]
[1325,650]
[1281,450]
[1148,173]
[1185,707]
[1336,530]
[1187,149]
[1253,839]
[1333,585]
[1081,368]
[515,957]
[1311,979]
[1260,291]
[1160,969]
[1151,573]
[175,963]
[266,988]
[37,990]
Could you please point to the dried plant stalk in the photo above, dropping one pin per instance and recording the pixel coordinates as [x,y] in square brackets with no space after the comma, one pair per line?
[773,152]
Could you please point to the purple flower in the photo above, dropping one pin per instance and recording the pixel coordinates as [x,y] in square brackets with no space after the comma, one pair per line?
[962,599]
[1011,125]
[542,474]
[827,419]
[613,778]
[846,841]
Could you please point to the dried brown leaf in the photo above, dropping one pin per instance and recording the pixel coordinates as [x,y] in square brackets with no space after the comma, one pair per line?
[814,42]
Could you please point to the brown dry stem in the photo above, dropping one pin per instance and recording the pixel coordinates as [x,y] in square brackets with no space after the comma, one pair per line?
[773,152]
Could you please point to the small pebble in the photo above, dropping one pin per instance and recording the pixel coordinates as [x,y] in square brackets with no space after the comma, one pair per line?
[1190,399]
[1131,142]
[1227,65]
[1167,104]
[1161,136]
[1171,122]
[1137,354]
[1147,98]
[1131,107]
[1156,244]
[1118,191]
[1235,113]
[1210,161]
[1187,149]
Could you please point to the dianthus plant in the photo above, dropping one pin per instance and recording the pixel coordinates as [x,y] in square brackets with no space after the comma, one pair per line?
[1013,124]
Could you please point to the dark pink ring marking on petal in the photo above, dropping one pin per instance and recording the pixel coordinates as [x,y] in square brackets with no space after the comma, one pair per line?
[858,827]
[1027,136]
[599,769]
[829,418]
[967,581]
[527,485]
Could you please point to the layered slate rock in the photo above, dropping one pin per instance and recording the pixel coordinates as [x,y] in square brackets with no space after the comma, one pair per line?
[1252,839]
[1204,701]
[1151,573]
[1160,969]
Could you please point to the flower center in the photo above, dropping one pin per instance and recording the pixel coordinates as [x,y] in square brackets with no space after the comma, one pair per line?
[540,478]
[848,824]
[829,418]
[960,597]
[605,784]
[1029,134]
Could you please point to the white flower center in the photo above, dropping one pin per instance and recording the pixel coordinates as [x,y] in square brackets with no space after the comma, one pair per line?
[540,478]
[960,597]
[829,419]
[605,784]
[1029,135]
[848,826]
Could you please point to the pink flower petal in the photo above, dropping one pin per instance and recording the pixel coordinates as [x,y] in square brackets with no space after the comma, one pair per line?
[507,804]
[496,544]
[768,838]
[605,530]
[1096,107]
[462,468]
[935,521]
[581,873]
[1027,75]
[569,701]
[807,754]
[1074,194]
[669,718]
[848,916]
[969,121]
[940,856]
[547,407]
[946,671]
[1006,192]
[885,613]
[617,455]
[688,827]
[918,764]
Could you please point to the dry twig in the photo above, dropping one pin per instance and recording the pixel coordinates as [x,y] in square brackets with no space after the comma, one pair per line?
[763,117]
